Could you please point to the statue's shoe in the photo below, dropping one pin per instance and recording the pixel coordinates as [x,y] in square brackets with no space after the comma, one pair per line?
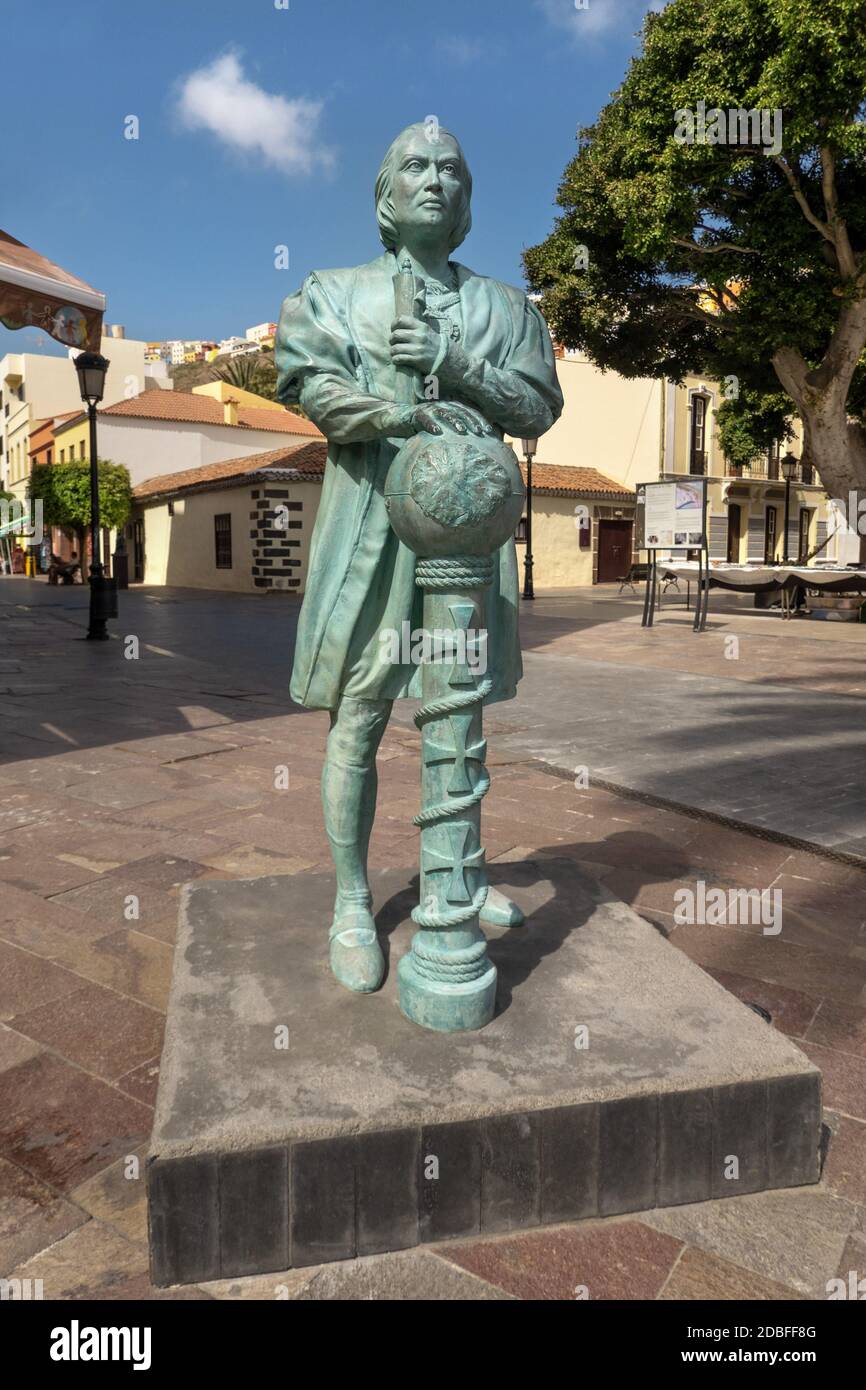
[499,911]
[356,956]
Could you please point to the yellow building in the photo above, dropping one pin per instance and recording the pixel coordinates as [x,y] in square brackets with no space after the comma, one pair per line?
[243,524]
[635,431]
[222,391]
[745,505]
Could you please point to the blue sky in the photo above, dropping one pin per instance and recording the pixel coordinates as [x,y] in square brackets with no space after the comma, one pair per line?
[261,126]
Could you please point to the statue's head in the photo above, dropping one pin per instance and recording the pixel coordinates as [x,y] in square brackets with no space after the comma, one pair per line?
[424,188]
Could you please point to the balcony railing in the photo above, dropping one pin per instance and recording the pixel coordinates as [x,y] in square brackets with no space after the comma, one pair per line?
[771,471]
[697,462]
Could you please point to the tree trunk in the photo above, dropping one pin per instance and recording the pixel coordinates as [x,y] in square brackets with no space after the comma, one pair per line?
[833,443]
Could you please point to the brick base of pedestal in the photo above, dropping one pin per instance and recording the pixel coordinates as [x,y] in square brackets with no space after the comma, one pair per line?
[298,1123]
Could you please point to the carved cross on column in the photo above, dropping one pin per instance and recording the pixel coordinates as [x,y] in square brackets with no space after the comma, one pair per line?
[456,861]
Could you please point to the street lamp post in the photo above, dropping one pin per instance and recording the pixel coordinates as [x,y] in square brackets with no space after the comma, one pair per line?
[91,368]
[529,448]
[789,471]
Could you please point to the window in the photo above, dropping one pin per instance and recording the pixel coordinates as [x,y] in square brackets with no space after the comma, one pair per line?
[698,443]
[62,455]
[81,449]
[171,508]
[520,533]
[223,540]
[48,456]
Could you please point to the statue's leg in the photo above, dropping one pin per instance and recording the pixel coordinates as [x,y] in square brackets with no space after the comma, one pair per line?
[349,784]
[499,911]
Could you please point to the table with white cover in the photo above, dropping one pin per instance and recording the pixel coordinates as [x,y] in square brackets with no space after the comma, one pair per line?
[761,578]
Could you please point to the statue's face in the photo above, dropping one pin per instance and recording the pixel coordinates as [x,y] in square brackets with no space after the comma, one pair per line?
[427,185]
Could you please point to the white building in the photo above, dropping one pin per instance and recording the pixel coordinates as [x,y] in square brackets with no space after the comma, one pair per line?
[261,331]
[163,432]
[36,387]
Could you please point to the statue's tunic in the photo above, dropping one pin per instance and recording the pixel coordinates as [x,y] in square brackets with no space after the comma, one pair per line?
[333,357]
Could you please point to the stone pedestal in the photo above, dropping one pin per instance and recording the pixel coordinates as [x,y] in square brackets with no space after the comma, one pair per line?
[297,1123]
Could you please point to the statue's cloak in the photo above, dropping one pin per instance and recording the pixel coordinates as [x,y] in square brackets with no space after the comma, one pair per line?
[332,355]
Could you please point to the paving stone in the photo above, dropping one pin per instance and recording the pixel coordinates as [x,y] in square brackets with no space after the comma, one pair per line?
[779,963]
[98,1029]
[413,1275]
[31,1216]
[278,1286]
[851,1271]
[63,1125]
[14,1048]
[117,1196]
[95,1262]
[845,1165]
[844,1079]
[705,1277]
[249,861]
[839,1026]
[794,1238]
[141,1083]
[26,981]
[791,1011]
[610,1260]
[155,881]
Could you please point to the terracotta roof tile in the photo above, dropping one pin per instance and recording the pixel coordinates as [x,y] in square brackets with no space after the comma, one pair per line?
[303,460]
[573,481]
[205,410]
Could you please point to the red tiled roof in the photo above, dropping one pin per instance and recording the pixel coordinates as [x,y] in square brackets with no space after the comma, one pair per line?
[305,462]
[574,482]
[205,410]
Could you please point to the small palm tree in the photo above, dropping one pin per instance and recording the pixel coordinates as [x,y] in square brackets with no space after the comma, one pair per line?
[246,373]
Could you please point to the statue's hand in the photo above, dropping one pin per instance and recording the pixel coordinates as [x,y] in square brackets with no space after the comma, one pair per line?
[459,418]
[413,344]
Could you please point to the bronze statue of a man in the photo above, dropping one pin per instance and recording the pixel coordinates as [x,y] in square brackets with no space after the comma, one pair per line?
[485,353]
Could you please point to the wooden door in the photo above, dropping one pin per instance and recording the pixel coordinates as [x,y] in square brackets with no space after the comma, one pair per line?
[614,550]
[734,533]
[138,551]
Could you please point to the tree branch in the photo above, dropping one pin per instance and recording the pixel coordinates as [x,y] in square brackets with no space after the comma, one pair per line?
[802,201]
[714,250]
[848,265]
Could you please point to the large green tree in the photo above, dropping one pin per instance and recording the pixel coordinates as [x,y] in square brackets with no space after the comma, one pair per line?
[64,490]
[735,257]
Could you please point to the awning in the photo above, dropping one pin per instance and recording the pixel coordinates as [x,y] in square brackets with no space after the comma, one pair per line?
[36,293]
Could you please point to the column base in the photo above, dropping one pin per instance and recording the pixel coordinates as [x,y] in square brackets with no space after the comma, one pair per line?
[444,1007]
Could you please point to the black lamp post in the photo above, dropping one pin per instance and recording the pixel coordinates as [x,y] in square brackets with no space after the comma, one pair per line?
[91,368]
[529,448]
[789,472]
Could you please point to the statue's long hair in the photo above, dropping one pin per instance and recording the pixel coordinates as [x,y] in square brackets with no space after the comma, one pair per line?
[385,206]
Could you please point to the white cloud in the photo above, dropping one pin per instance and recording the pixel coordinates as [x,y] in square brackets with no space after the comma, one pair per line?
[600,16]
[282,131]
[462,50]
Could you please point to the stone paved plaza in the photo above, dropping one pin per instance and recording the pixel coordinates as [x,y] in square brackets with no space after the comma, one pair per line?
[122,779]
